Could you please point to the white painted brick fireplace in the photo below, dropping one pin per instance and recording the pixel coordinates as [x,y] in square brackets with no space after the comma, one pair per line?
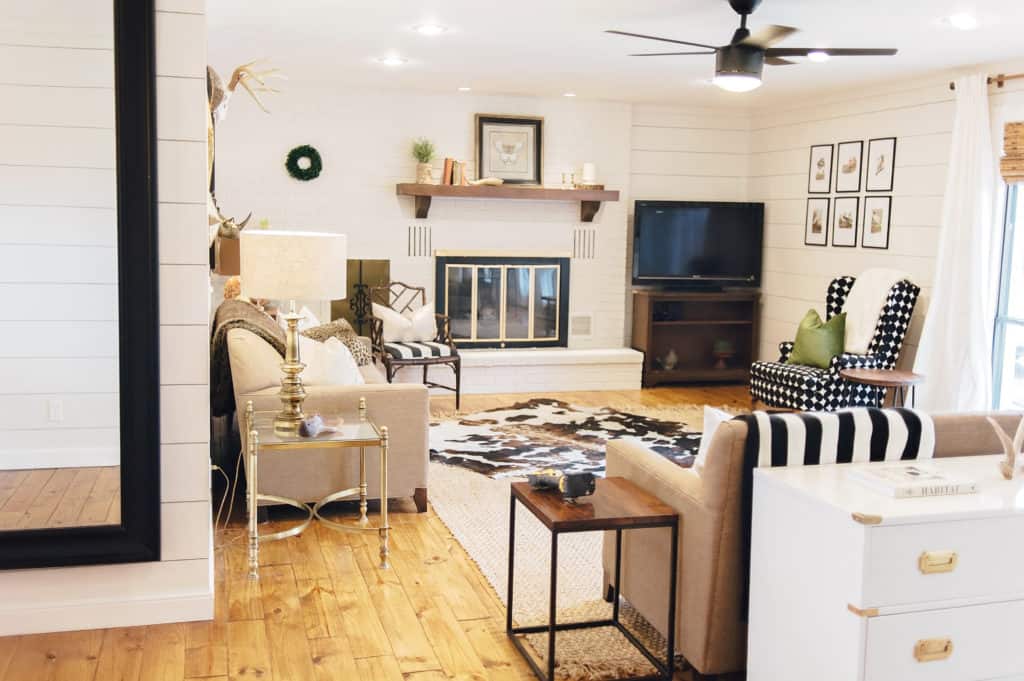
[365,137]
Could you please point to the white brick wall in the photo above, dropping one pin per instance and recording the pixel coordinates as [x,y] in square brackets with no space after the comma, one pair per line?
[365,140]
[180,587]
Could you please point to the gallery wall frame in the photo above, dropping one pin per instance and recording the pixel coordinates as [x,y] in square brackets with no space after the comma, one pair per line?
[816,222]
[845,221]
[819,169]
[849,162]
[880,169]
[877,222]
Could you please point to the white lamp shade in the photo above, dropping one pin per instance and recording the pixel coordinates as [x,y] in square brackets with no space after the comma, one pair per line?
[293,265]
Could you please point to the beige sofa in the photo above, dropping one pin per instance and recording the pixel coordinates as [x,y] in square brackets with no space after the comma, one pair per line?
[711,632]
[310,475]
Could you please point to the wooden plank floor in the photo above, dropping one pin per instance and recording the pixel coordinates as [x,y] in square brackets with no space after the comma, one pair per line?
[60,497]
[322,610]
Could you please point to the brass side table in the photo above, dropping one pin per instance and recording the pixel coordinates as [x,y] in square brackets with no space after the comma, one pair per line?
[355,434]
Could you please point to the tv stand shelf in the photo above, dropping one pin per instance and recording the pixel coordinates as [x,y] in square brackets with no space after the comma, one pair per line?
[712,335]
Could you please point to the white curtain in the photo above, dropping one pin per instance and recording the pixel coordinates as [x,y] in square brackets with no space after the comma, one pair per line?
[955,353]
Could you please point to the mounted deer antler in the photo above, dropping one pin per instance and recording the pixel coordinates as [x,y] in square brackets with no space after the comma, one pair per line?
[245,74]
[1009,467]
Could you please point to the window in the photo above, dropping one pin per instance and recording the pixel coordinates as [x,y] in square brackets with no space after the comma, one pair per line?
[1009,332]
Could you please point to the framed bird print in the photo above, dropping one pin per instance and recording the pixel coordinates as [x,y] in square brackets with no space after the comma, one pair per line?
[881,164]
[819,175]
[848,161]
[844,221]
[510,148]
[877,222]
[816,229]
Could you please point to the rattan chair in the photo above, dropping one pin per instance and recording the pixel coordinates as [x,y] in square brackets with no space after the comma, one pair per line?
[394,356]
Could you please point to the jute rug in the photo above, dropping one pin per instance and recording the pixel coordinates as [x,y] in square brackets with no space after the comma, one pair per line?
[483,453]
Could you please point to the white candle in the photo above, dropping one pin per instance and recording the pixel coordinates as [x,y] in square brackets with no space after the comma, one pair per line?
[589,173]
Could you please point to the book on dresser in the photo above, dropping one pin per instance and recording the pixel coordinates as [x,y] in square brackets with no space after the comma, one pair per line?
[908,480]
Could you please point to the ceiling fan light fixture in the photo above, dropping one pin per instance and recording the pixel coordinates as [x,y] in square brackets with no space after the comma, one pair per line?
[737,82]
[818,56]
[738,68]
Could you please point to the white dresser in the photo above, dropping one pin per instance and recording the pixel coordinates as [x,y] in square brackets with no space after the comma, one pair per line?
[850,585]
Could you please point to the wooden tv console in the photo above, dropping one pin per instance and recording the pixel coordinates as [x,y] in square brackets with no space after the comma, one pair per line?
[690,323]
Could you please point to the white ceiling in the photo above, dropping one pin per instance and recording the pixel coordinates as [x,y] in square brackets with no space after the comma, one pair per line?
[548,47]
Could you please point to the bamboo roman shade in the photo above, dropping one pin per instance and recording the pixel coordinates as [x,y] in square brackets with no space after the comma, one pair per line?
[1011,165]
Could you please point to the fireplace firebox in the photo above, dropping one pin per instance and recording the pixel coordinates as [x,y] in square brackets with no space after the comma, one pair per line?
[504,302]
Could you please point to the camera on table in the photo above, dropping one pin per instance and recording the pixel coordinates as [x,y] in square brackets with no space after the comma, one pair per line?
[571,485]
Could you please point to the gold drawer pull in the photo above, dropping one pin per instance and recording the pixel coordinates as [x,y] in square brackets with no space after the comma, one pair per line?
[934,562]
[933,649]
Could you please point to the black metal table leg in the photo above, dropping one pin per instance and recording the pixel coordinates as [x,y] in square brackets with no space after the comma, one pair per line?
[618,570]
[552,606]
[511,561]
[673,575]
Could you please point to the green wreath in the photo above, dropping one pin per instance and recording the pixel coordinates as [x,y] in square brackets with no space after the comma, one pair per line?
[310,171]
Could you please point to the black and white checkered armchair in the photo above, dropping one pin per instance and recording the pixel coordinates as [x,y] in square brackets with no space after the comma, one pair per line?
[792,386]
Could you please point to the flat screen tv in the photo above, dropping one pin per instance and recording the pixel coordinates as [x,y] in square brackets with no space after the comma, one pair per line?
[697,243]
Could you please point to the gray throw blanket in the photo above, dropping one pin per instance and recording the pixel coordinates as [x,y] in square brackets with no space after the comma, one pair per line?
[235,314]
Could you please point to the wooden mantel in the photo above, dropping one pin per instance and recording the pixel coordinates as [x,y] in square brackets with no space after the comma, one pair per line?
[590,199]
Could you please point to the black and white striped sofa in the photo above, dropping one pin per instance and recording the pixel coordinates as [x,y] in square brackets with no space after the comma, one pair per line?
[792,386]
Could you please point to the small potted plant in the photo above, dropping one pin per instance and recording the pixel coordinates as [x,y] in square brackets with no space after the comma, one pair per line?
[423,151]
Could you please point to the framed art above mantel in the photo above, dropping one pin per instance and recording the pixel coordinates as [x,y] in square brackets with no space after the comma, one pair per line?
[510,148]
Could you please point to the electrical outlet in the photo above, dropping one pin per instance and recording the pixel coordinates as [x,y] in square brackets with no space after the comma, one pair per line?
[56,410]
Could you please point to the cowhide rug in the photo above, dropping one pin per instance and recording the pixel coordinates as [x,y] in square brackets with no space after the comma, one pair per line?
[547,433]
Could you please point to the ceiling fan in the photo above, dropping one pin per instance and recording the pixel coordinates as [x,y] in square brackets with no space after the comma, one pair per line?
[739,65]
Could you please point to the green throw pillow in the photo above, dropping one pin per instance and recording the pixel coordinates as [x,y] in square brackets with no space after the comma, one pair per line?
[817,342]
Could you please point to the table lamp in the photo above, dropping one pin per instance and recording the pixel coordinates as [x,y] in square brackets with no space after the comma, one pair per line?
[292,266]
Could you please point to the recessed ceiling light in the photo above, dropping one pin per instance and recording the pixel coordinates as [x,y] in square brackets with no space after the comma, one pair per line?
[818,56]
[465,89]
[965,21]
[430,29]
[569,94]
[392,60]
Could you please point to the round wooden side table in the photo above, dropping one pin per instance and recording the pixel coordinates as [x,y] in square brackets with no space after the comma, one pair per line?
[899,381]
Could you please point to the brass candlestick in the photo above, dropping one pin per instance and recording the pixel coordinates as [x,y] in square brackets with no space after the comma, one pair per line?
[292,393]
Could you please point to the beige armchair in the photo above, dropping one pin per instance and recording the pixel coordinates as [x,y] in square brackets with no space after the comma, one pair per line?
[309,475]
[711,631]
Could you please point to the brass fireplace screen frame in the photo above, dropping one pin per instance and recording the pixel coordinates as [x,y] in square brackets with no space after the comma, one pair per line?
[444,264]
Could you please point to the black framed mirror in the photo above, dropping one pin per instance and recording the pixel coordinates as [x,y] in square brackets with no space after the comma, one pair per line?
[89,423]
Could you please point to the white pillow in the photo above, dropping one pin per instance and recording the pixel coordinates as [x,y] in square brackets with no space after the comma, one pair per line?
[712,419]
[423,324]
[328,363]
[308,321]
[255,364]
[395,326]
[416,326]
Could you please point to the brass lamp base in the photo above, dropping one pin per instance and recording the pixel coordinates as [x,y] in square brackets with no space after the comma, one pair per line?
[292,393]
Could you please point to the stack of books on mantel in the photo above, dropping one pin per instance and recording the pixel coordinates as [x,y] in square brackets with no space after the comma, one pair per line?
[908,480]
[454,172]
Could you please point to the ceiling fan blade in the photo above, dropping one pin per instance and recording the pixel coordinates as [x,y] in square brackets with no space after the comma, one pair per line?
[766,36]
[664,40]
[831,51]
[669,54]
[778,61]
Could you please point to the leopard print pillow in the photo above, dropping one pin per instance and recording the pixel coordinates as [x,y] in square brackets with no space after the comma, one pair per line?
[344,332]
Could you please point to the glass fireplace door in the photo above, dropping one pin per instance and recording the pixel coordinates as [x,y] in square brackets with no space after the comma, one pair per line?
[491,304]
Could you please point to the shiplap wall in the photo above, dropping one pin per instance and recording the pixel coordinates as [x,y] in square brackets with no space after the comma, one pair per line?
[920,114]
[48,199]
[58,332]
[684,154]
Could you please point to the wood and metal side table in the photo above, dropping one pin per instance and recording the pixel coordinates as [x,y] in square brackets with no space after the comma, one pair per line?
[616,505]
[899,381]
[356,433]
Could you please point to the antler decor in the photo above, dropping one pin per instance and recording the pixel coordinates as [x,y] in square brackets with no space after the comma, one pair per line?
[245,74]
[1009,467]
